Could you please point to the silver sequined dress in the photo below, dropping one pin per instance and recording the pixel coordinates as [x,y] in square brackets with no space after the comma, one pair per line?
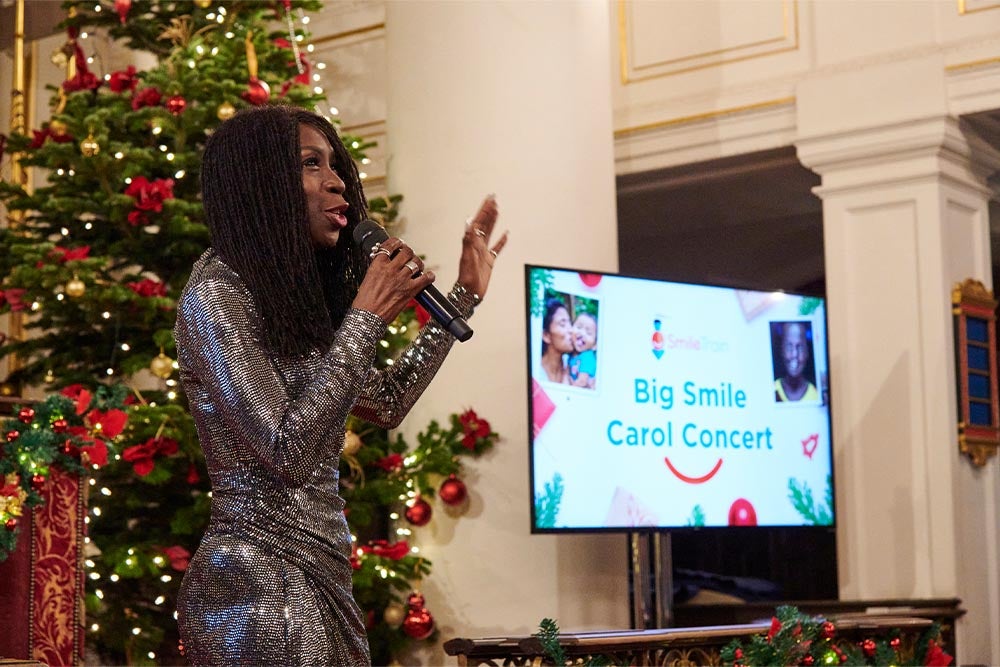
[271,582]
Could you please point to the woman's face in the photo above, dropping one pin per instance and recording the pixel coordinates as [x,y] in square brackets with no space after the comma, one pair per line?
[560,333]
[325,203]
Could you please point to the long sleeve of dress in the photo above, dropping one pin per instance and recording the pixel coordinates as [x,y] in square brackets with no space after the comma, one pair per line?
[389,393]
[289,435]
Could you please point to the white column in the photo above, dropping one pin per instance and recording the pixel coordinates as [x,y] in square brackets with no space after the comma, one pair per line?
[905,207]
[511,98]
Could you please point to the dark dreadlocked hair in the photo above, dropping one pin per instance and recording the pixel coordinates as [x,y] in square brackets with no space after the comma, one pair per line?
[255,207]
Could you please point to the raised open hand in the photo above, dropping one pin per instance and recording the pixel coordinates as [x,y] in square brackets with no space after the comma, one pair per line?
[476,264]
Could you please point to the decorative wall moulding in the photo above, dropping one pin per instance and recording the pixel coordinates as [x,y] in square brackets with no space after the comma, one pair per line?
[974,310]
[662,39]
[971,6]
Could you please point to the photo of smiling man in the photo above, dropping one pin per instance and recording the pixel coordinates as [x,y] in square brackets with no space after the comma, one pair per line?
[792,359]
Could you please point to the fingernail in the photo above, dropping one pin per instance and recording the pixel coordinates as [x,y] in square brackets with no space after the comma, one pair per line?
[468,221]
[491,196]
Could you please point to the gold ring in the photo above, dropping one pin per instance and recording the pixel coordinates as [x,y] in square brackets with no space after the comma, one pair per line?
[494,253]
[480,233]
[412,266]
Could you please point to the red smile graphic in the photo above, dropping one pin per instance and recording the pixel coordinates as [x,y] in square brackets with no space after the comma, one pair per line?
[693,480]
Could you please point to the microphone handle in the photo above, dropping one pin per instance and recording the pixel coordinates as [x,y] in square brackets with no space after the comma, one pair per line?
[444,312]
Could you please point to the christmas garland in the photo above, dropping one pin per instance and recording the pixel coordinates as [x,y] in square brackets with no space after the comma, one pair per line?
[73,431]
[798,639]
[795,638]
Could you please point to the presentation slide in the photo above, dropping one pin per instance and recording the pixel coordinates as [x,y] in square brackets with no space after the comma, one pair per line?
[659,404]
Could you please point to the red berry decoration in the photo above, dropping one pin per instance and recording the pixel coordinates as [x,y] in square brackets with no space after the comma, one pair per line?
[868,646]
[452,491]
[68,448]
[894,643]
[176,105]
[808,660]
[827,630]
[26,415]
[37,481]
[11,524]
[738,654]
[59,425]
[12,436]
[742,513]
[419,513]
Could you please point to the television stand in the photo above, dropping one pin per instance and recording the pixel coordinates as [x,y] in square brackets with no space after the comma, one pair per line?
[651,590]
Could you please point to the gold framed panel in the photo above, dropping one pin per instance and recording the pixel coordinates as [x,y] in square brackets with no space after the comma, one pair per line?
[632,72]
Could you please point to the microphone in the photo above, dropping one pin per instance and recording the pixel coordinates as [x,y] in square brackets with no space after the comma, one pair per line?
[367,234]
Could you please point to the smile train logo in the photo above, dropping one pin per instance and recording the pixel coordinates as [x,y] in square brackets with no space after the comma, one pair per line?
[657,339]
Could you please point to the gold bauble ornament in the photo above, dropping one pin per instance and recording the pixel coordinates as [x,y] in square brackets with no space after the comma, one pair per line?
[203,4]
[75,287]
[352,443]
[57,128]
[225,111]
[394,615]
[8,389]
[162,366]
[89,146]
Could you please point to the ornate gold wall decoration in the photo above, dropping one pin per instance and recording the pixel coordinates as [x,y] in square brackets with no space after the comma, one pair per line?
[974,310]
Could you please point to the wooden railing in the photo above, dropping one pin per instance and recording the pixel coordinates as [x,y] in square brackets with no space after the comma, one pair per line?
[678,647]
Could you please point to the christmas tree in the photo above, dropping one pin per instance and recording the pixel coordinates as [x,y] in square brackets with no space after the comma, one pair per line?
[93,265]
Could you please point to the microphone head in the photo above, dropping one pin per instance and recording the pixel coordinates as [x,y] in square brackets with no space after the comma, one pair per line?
[368,233]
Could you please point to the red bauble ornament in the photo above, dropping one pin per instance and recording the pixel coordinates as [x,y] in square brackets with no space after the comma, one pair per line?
[868,646]
[122,7]
[176,105]
[419,513]
[26,415]
[738,654]
[67,448]
[452,491]
[12,436]
[808,660]
[418,623]
[257,92]
[37,482]
[742,513]
[827,630]
[894,643]
[11,523]
[59,425]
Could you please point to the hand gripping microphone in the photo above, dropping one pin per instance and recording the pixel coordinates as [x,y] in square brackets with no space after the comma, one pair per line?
[367,234]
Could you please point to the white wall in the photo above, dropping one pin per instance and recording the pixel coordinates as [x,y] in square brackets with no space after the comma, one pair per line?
[511,98]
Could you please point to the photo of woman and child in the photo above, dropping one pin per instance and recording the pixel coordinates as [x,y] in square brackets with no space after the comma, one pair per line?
[569,341]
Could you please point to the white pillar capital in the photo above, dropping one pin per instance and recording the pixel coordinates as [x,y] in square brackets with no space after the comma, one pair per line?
[912,151]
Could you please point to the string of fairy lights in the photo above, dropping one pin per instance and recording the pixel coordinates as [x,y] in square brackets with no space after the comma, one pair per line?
[164,367]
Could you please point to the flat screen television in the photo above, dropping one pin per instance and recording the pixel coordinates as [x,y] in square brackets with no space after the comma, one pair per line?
[658,405]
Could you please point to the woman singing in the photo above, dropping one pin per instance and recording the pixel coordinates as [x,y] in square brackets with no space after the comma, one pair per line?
[276,335]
